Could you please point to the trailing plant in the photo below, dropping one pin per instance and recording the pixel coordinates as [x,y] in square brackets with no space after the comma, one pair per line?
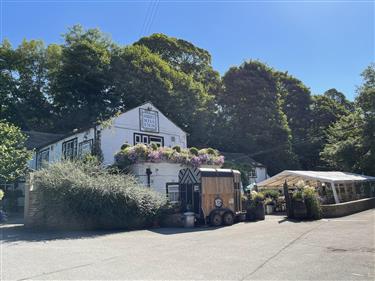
[141,152]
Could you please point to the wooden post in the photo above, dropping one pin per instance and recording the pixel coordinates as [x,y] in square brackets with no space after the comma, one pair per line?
[288,201]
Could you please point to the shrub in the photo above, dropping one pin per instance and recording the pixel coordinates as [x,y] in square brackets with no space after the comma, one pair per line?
[271,193]
[194,151]
[177,148]
[85,195]
[314,210]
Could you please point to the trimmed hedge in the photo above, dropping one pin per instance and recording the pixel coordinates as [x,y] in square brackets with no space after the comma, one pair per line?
[85,195]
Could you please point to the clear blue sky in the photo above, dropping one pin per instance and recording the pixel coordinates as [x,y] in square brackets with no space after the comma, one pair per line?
[326,44]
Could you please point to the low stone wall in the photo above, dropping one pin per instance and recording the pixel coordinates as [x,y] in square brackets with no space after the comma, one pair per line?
[347,208]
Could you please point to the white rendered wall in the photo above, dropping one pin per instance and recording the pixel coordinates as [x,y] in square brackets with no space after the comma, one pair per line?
[125,125]
[162,173]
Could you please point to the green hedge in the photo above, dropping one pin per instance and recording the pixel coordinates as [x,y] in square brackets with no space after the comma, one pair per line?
[84,195]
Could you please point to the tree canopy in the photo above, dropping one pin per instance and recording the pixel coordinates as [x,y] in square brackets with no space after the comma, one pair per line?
[253,108]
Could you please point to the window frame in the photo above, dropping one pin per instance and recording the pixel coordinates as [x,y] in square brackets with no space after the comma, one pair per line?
[149,137]
[39,160]
[75,149]
[90,141]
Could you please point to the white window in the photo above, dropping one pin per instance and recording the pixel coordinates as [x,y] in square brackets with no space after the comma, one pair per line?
[173,193]
[148,139]
[69,149]
[42,159]
[252,173]
[85,147]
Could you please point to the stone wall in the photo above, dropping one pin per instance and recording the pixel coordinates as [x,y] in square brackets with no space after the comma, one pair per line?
[347,208]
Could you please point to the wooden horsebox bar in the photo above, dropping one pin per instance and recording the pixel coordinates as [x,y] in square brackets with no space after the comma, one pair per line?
[213,194]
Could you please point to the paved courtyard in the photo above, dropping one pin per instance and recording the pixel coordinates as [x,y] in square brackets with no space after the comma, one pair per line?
[334,249]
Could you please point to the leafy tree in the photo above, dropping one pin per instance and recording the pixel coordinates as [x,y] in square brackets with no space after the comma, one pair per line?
[296,105]
[193,61]
[184,56]
[351,140]
[140,75]
[339,98]
[24,86]
[80,86]
[13,154]
[256,124]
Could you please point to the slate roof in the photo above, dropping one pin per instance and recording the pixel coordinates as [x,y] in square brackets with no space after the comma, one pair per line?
[241,158]
[39,139]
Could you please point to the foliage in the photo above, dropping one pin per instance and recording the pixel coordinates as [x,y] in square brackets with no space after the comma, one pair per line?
[251,105]
[351,140]
[13,154]
[271,193]
[309,196]
[11,197]
[1,194]
[141,152]
[244,169]
[257,198]
[92,197]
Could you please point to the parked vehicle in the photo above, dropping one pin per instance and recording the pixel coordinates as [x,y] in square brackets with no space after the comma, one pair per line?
[214,195]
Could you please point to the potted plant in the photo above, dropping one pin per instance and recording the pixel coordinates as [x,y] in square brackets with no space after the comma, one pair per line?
[299,206]
[255,206]
[270,204]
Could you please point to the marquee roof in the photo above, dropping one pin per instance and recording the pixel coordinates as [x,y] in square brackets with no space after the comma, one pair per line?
[293,177]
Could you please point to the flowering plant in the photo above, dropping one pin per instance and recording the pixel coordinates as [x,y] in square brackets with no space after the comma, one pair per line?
[193,157]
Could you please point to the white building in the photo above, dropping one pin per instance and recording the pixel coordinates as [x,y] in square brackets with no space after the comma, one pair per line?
[143,124]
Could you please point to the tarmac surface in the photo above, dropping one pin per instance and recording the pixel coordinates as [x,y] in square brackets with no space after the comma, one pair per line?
[274,249]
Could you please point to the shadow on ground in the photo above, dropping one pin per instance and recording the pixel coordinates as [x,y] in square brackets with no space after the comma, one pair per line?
[19,233]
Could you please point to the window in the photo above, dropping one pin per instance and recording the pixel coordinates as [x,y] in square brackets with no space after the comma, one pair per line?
[148,139]
[173,192]
[42,159]
[85,147]
[69,149]
[252,173]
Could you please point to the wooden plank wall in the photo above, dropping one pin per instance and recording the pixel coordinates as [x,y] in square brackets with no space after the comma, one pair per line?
[213,187]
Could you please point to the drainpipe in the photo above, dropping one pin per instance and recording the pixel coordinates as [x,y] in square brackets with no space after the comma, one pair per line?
[148,173]
[337,200]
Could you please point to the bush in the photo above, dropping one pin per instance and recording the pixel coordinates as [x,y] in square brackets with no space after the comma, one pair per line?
[177,148]
[194,151]
[314,210]
[271,193]
[85,195]
[309,197]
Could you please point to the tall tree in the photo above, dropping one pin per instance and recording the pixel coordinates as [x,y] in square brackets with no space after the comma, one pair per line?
[251,104]
[186,57]
[351,141]
[296,105]
[140,75]
[25,85]
[80,88]
[339,98]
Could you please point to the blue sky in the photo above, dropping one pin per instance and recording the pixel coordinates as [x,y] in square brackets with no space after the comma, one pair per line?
[326,44]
